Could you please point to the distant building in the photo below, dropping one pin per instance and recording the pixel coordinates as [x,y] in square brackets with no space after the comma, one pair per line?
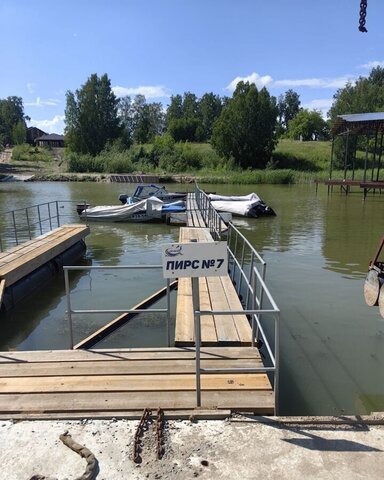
[33,133]
[52,140]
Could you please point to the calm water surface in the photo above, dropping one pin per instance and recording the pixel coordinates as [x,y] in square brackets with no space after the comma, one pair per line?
[317,250]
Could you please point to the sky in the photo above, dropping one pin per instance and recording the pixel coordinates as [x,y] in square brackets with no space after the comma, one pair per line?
[161,48]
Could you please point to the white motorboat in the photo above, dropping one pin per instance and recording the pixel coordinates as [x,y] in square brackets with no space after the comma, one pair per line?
[150,209]
[144,191]
[242,205]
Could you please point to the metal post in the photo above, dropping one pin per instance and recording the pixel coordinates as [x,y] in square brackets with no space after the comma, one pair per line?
[277,362]
[346,158]
[168,314]
[379,161]
[331,161]
[15,228]
[69,310]
[29,226]
[374,156]
[39,215]
[57,213]
[253,306]
[196,308]
[366,159]
[49,216]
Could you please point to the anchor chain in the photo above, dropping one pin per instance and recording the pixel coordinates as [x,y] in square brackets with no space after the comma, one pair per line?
[160,433]
[363,14]
[142,427]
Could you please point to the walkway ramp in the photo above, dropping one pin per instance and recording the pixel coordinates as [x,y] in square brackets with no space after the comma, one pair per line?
[216,293]
[122,382]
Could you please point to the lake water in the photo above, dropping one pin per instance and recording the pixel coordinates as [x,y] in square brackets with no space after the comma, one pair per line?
[317,251]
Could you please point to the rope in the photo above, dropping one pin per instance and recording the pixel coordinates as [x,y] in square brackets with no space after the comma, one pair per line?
[92,465]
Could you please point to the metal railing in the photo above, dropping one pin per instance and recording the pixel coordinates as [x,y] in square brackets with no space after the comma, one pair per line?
[211,216]
[257,294]
[70,312]
[23,224]
[247,270]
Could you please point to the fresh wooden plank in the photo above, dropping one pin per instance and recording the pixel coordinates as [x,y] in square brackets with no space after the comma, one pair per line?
[257,401]
[108,367]
[196,413]
[2,288]
[208,326]
[134,383]
[184,328]
[120,355]
[25,264]
[241,321]
[226,330]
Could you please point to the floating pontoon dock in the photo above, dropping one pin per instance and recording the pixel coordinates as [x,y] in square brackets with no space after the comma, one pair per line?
[21,261]
[223,373]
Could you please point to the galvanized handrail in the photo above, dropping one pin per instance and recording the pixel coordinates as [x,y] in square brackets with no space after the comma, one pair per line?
[71,311]
[248,273]
[256,320]
[25,223]
[211,216]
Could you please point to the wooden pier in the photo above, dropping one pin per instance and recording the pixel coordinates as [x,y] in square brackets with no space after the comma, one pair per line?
[18,262]
[216,293]
[111,383]
[122,382]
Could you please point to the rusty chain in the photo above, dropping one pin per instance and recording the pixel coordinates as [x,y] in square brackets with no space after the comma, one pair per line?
[160,433]
[142,427]
[363,14]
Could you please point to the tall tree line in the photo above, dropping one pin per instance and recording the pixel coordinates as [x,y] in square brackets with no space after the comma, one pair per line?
[12,121]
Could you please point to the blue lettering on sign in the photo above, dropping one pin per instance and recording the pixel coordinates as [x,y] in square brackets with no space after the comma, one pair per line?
[195,264]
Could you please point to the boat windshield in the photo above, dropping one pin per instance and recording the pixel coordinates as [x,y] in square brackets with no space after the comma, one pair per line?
[145,191]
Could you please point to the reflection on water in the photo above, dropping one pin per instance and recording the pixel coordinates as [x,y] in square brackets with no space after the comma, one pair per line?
[317,250]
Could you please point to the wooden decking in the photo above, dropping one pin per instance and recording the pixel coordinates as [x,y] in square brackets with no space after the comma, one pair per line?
[109,383]
[194,216]
[19,261]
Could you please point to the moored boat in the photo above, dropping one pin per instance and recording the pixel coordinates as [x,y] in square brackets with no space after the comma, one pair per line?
[144,191]
[241,205]
[150,209]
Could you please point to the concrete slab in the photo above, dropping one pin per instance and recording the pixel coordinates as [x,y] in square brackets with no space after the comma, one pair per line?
[236,448]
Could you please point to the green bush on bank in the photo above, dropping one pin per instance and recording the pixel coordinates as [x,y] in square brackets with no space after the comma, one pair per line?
[27,153]
[292,162]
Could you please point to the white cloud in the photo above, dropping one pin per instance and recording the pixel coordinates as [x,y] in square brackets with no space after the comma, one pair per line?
[372,64]
[258,80]
[338,82]
[266,80]
[156,91]
[55,125]
[42,103]
[322,104]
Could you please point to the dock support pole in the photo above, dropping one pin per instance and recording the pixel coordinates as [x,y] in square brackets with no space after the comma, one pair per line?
[196,308]
[168,313]
[69,310]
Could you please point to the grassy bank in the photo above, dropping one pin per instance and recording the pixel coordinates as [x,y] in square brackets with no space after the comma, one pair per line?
[292,162]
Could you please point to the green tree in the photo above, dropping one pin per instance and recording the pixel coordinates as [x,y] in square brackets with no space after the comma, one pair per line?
[364,96]
[12,119]
[288,106]
[91,116]
[245,130]
[209,109]
[19,133]
[307,125]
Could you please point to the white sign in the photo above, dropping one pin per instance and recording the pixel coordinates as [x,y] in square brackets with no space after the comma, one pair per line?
[195,259]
